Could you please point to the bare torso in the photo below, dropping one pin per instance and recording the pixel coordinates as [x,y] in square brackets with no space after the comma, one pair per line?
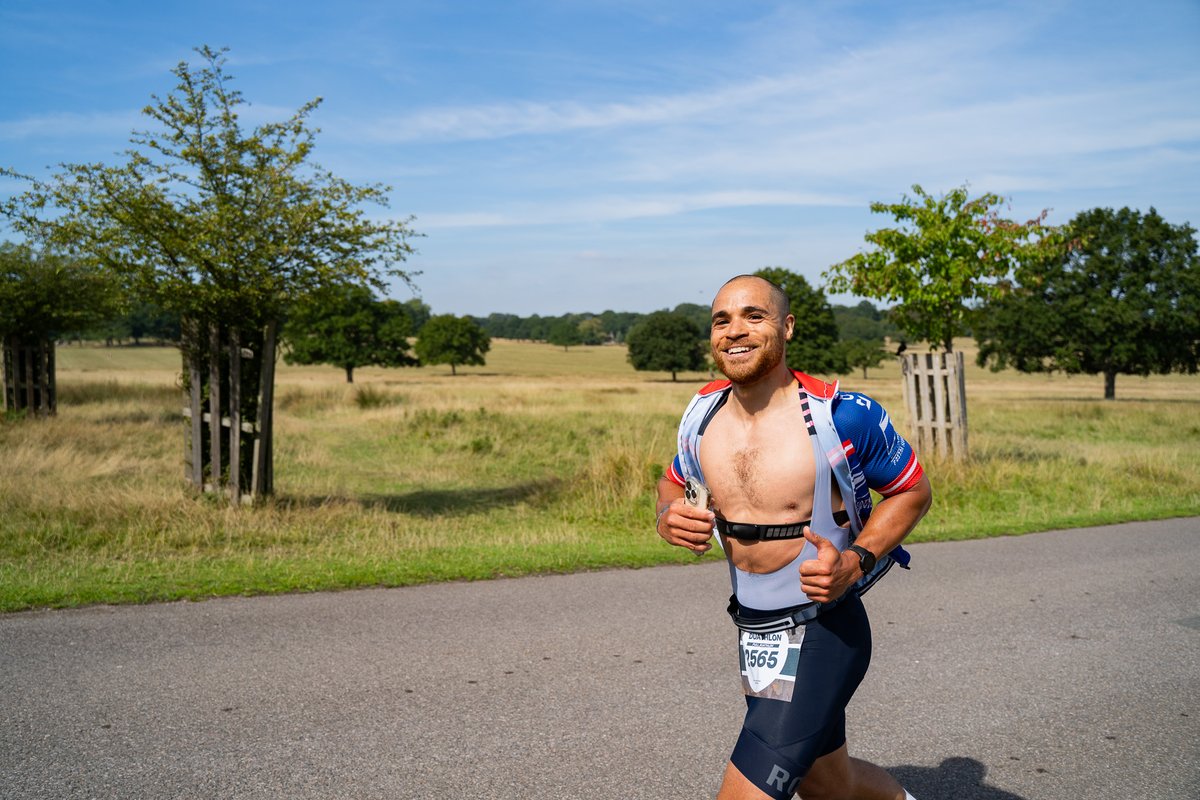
[760,469]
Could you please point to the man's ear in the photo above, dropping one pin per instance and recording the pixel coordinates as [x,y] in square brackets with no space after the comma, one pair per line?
[791,326]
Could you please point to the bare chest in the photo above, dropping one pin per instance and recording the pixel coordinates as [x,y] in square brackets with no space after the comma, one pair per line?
[762,471]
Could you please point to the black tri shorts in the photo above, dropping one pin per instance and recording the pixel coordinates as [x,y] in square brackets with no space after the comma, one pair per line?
[788,727]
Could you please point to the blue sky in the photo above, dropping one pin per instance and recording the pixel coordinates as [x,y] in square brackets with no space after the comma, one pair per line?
[576,155]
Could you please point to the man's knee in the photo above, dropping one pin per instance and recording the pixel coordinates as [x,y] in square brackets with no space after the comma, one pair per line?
[829,778]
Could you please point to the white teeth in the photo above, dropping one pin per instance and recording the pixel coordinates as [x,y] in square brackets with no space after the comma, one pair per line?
[733,351]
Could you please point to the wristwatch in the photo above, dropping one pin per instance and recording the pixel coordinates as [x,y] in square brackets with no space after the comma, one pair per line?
[866,558]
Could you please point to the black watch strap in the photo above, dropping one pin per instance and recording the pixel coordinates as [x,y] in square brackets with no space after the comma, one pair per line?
[866,558]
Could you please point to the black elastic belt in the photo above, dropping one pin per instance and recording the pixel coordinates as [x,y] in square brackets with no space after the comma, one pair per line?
[786,621]
[745,530]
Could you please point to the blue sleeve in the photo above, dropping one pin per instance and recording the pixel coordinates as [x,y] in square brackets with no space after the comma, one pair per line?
[885,457]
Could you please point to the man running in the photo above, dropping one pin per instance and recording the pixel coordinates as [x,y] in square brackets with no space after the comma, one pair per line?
[787,463]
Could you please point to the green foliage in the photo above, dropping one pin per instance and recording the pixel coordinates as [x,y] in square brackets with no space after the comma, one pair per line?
[418,312]
[1119,294]
[44,296]
[666,341]
[813,348]
[946,256]
[447,339]
[865,322]
[861,354]
[348,327]
[564,333]
[211,221]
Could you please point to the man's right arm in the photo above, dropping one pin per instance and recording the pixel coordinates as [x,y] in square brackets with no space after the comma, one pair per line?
[679,523]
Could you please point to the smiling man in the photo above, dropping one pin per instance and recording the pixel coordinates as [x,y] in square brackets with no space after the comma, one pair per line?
[779,466]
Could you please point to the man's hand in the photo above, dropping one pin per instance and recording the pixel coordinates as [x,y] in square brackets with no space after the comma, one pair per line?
[687,526]
[830,574]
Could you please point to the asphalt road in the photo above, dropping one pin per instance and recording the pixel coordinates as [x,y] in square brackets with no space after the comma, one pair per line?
[1056,665]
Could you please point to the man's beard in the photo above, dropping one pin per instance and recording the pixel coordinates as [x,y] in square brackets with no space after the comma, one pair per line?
[752,370]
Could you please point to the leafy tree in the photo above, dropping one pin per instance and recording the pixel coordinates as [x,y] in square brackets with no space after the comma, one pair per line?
[348,327]
[447,339]
[1119,294]
[42,298]
[45,296]
[813,347]
[618,324]
[222,226]
[592,331]
[666,341]
[564,333]
[946,256]
[861,353]
[418,312]
[148,320]
[701,316]
[863,321]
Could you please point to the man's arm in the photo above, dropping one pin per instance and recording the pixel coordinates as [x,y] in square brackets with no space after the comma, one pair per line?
[831,573]
[679,523]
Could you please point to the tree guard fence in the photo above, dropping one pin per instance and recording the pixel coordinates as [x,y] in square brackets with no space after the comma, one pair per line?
[936,395]
[229,380]
[28,367]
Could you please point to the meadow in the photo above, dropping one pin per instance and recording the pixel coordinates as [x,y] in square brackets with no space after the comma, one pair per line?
[543,460]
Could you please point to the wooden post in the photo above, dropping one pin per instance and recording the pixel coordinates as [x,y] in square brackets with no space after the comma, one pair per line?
[235,416]
[214,405]
[262,480]
[935,393]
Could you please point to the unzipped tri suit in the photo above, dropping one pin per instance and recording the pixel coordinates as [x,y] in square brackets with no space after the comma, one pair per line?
[801,661]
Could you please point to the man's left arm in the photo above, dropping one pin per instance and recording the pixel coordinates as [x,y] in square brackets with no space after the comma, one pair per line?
[829,575]
[891,467]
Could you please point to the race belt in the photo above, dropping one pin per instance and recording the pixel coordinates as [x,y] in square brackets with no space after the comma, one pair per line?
[788,620]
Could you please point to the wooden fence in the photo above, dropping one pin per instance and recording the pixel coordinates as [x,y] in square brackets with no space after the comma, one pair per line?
[29,383]
[936,395]
[229,447]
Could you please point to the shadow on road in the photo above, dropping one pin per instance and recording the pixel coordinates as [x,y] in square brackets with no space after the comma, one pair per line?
[954,779]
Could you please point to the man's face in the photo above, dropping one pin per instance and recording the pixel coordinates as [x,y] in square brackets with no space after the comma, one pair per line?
[749,330]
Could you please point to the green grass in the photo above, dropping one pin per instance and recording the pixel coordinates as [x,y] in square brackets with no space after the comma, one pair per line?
[541,461]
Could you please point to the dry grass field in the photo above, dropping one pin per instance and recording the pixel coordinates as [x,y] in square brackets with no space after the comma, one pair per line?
[542,460]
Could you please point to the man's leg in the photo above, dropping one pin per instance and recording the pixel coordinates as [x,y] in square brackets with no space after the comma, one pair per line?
[735,786]
[837,776]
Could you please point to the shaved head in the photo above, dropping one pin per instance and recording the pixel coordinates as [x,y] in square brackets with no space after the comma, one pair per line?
[779,298]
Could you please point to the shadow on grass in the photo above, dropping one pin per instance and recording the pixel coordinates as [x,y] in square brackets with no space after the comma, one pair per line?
[956,778]
[440,502]
[434,502]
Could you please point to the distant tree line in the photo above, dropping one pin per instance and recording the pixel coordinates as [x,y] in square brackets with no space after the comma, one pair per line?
[862,321]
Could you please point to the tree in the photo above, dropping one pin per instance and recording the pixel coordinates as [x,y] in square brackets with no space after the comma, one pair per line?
[666,341]
[861,353]
[592,331]
[564,332]
[44,297]
[447,339]
[947,255]
[222,226]
[863,321]
[418,314]
[813,347]
[1119,294]
[349,327]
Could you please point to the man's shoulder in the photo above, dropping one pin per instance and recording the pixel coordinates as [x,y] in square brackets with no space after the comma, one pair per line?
[714,387]
[815,387]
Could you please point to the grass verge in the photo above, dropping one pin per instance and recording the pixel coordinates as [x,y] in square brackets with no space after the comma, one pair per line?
[542,462]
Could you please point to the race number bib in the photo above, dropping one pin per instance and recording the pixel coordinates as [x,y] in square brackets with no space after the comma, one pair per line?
[769,662]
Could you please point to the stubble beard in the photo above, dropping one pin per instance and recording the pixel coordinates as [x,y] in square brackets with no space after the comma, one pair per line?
[750,372]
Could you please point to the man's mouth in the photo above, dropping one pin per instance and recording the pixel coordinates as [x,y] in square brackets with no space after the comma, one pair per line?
[737,351]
